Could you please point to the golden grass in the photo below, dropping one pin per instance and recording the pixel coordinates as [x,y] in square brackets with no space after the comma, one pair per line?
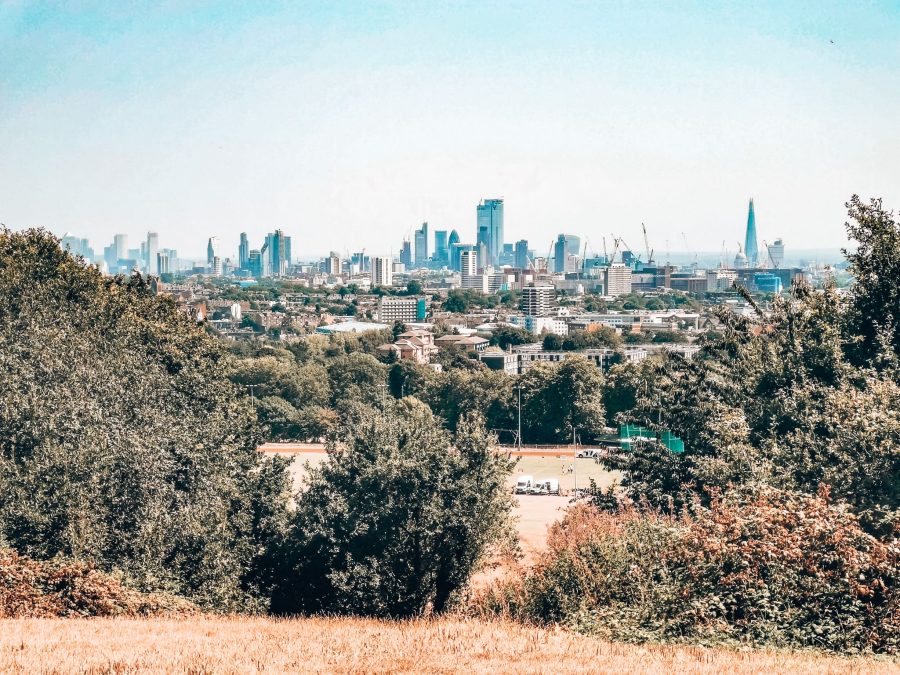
[449,645]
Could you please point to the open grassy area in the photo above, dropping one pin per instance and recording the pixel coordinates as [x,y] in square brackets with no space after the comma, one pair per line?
[257,645]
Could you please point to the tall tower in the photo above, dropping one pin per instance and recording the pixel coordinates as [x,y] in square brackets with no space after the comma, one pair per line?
[490,229]
[243,252]
[751,249]
[421,239]
[152,250]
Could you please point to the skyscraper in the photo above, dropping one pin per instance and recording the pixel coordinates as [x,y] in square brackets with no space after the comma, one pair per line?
[243,251]
[522,254]
[255,263]
[490,228]
[274,250]
[120,244]
[751,249]
[212,250]
[287,251]
[560,251]
[406,254]
[441,250]
[468,264]
[151,251]
[421,239]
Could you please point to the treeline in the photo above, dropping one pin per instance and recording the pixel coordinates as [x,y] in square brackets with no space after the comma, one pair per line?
[126,449]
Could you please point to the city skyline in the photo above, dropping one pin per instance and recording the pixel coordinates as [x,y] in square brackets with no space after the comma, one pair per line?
[351,126]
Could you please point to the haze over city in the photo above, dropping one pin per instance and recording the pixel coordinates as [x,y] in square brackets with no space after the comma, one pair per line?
[348,127]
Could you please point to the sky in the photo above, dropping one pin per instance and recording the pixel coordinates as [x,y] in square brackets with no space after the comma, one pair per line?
[347,124]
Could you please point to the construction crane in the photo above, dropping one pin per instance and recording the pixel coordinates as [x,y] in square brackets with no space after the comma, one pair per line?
[616,242]
[688,249]
[647,245]
[605,255]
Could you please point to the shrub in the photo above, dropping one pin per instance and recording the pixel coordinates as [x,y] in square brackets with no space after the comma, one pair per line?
[774,569]
[395,521]
[29,588]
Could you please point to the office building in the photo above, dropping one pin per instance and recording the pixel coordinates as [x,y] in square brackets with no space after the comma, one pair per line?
[255,263]
[751,249]
[212,250]
[78,246]
[150,253]
[217,266]
[441,250]
[406,254]
[120,246]
[776,253]
[573,244]
[521,254]
[287,251]
[468,263]
[243,252]
[421,241]
[489,214]
[274,254]
[406,309]
[382,271]
[537,299]
[456,251]
[362,261]
[560,250]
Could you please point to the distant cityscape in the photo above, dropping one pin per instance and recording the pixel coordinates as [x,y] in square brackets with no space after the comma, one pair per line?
[486,262]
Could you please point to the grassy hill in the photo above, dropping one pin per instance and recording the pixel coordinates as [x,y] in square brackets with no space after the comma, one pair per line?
[239,645]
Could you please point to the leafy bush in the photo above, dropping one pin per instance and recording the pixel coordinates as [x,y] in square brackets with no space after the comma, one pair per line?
[121,443]
[774,569]
[29,588]
[395,521]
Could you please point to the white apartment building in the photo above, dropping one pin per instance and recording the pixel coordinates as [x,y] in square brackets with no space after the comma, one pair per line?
[618,279]
[382,271]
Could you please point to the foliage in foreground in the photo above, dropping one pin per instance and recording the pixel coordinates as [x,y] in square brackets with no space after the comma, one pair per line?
[398,517]
[773,569]
[30,588]
[121,443]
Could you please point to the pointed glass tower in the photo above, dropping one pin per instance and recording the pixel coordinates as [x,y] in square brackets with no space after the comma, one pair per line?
[751,250]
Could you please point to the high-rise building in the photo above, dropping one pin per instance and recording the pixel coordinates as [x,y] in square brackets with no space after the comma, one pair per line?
[521,253]
[333,264]
[255,263]
[560,250]
[537,299]
[468,262]
[452,241]
[120,244]
[78,246]
[776,253]
[573,244]
[490,228]
[455,253]
[421,239]
[287,251]
[212,250]
[151,251]
[441,247]
[362,261]
[243,251]
[382,271]
[751,248]
[217,266]
[618,279]
[274,252]
[406,254]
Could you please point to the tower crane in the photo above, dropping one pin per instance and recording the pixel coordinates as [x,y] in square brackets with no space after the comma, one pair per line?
[647,245]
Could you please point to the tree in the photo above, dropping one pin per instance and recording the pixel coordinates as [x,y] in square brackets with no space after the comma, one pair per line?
[413,287]
[121,444]
[873,319]
[397,518]
[557,399]
[456,302]
[504,336]
[552,342]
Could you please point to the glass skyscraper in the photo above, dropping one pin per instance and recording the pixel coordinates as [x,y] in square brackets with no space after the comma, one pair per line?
[490,228]
[751,248]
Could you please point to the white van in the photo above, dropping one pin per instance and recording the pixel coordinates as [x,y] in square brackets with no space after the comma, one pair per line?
[524,484]
[546,486]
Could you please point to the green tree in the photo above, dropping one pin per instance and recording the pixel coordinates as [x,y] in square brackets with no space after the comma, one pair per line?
[397,518]
[504,336]
[413,287]
[120,441]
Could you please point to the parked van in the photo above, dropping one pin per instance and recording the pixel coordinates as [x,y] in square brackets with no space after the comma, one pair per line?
[546,486]
[524,484]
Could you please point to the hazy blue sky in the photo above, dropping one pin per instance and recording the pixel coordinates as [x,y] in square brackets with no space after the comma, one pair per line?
[346,124]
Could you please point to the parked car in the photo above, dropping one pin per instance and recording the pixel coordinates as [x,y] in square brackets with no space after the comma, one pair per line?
[546,486]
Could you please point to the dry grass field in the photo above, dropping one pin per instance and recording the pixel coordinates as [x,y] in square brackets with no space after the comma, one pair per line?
[451,645]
